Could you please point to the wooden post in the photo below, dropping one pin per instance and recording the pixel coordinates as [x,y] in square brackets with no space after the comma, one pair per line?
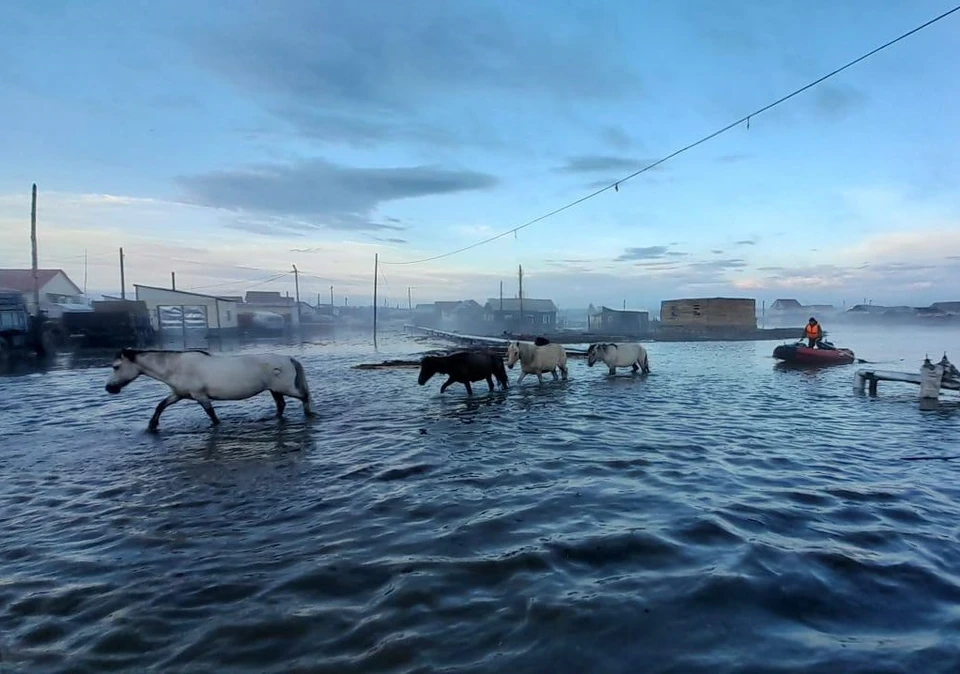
[33,250]
[123,283]
[376,275]
[930,377]
[296,282]
[331,296]
[409,299]
[521,298]
[173,280]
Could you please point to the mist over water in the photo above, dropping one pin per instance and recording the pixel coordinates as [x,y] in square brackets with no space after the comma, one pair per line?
[724,514]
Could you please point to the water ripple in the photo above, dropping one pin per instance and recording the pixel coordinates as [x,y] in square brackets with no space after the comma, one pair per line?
[696,520]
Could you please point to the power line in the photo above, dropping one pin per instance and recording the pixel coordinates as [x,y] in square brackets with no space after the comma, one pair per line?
[615,185]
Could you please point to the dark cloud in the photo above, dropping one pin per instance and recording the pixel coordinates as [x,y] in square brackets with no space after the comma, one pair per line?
[616,137]
[319,194]
[745,242]
[595,163]
[642,253]
[392,240]
[371,71]
[832,100]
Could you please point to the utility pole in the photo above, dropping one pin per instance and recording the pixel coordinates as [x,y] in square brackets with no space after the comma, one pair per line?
[521,298]
[409,300]
[501,297]
[173,280]
[331,296]
[84,271]
[376,275]
[33,249]
[296,283]
[123,282]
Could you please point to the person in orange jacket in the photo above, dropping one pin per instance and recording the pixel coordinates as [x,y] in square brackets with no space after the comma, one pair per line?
[813,332]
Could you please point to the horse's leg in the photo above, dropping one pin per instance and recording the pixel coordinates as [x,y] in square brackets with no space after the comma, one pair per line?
[553,371]
[207,407]
[539,376]
[520,378]
[445,384]
[490,381]
[164,404]
[281,402]
[635,367]
[469,388]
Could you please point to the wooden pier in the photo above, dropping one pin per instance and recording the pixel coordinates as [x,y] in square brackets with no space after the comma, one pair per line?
[931,379]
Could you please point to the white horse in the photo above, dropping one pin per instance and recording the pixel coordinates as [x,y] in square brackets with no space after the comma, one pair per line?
[196,375]
[619,355]
[537,359]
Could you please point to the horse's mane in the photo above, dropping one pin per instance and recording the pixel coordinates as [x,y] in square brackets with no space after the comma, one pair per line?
[131,354]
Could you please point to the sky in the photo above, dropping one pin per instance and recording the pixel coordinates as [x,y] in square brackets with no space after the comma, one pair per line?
[227,142]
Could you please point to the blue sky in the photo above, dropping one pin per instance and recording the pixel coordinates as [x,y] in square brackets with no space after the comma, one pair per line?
[227,141]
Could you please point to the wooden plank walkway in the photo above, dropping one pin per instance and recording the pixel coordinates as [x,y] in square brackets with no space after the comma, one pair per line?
[930,378]
[480,340]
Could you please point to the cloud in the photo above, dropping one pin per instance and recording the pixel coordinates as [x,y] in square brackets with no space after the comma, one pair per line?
[745,242]
[595,163]
[374,71]
[319,194]
[832,100]
[642,253]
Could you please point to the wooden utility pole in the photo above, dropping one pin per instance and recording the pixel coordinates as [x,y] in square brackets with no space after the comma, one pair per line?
[173,280]
[521,298]
[123,282]
[331,296]
[33,249]
[84,271]
[296,284]
[501,298]
[376,275]
[409,299]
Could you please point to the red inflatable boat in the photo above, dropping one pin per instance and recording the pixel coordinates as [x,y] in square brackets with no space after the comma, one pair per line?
[825,354]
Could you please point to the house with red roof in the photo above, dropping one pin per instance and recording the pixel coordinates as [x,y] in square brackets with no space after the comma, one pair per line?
[56,289]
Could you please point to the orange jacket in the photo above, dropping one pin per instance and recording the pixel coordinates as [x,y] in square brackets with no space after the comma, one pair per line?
[813,331]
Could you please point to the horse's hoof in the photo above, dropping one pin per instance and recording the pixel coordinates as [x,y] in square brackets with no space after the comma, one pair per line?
[151,429]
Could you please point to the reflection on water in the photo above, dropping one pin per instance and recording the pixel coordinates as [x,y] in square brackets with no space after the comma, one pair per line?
[719,515]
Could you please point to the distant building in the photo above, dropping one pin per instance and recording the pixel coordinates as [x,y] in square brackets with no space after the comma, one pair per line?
[786,306]
[262,303]
[709,312]
[947,307]
[453,316]
[500,315]
[614,322]
[178,310]
[57,291]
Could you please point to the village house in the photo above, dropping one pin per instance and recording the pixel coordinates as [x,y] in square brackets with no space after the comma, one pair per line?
[504,314]
[614,322]
[57,292]
[709,312]
[179,310]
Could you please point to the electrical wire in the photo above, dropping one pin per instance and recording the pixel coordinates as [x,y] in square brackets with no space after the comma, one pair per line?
[746,118]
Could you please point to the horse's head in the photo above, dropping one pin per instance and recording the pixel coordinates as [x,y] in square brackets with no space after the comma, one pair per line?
[595,352]
[428,368]
[513,354]
[125,370]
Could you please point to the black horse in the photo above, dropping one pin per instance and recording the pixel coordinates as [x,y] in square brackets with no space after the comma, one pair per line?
[464,367]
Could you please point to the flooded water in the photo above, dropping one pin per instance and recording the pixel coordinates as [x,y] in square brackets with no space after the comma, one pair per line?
[720,515]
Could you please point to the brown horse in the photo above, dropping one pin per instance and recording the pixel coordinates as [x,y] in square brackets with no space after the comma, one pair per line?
[463,367]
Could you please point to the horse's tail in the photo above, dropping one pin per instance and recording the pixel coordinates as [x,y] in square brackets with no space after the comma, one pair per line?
[499,371]
[300,383]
